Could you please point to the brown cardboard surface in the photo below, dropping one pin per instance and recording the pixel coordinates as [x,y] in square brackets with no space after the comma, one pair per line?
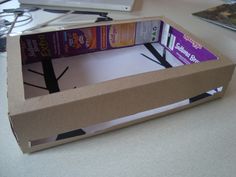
[48,115]
[56,143]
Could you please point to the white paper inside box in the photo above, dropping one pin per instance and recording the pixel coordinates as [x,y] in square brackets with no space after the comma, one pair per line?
[74,83]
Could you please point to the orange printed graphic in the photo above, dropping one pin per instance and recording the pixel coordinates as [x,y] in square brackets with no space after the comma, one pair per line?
[122,35]
[43,45]
[90,38]
[103,38]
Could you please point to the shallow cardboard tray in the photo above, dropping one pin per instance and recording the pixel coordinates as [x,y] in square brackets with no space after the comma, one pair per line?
[47,120]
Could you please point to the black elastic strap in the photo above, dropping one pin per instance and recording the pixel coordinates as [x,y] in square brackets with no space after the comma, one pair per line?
[199,97]
[71,134]
[157,55]
[49,76]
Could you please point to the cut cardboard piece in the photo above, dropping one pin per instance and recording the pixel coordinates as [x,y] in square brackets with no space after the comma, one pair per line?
[75,83]
[93,129]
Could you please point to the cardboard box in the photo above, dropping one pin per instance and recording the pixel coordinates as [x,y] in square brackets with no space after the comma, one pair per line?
[74,83]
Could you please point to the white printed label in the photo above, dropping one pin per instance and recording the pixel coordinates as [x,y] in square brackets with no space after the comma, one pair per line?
[147,31]
[171,44]
[165,34]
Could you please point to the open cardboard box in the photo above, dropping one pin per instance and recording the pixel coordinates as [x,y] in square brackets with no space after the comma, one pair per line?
[74,83]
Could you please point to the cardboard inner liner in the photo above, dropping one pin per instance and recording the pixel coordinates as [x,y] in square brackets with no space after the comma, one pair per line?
[155,46]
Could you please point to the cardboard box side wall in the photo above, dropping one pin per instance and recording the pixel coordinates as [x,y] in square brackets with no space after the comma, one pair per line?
[71,116]
[40,147]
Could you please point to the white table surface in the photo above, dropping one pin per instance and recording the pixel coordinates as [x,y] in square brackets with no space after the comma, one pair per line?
[198,142]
